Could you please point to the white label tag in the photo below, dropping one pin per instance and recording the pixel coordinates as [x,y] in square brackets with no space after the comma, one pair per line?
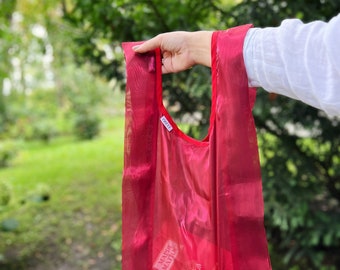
[166,123]
[167,256]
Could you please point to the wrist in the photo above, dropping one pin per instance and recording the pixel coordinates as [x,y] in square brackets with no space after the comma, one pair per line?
[201,47]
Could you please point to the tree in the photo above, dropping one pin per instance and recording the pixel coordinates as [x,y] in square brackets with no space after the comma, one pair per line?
[6,10]
[37,95]
[299,145]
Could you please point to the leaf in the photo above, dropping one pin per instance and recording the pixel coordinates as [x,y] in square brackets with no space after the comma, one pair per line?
[328,238]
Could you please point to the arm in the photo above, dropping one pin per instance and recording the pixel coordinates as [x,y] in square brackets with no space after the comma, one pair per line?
[301,61]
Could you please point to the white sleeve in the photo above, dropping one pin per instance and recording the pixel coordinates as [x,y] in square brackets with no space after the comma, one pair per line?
[301,61]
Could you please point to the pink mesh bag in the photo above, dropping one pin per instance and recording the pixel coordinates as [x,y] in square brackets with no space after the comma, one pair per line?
[190,204]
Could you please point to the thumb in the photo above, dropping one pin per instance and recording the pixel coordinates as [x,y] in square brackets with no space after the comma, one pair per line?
[148,45]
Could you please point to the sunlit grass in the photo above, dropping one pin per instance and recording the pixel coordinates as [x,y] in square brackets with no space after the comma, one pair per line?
[83,211]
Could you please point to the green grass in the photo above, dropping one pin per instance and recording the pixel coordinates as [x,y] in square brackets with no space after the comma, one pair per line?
[79,225]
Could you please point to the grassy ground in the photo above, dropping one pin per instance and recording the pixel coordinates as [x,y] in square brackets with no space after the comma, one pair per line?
[76,223]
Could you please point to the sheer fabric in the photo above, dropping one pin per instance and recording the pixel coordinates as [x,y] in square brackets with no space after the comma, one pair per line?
[190,204]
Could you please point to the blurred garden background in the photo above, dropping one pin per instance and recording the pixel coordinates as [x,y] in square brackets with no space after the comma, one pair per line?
[62,131]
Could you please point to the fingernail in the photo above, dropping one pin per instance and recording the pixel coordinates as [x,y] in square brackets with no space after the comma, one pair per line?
[135,48]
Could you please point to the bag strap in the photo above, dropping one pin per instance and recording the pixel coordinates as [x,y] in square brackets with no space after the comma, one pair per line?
[239,184]
[140,144]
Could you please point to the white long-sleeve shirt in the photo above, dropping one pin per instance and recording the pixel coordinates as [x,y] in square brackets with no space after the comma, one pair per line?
[301,61]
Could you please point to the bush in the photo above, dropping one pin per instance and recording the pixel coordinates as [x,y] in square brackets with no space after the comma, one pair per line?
[5,194]
[8,150]
[86,126]
[44,130]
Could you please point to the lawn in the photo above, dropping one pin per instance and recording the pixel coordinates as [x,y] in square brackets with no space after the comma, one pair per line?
[66,198]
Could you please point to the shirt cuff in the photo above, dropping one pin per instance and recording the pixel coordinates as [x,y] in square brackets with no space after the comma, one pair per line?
[248,57]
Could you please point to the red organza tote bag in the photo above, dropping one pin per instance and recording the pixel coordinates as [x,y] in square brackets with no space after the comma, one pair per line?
[190,204]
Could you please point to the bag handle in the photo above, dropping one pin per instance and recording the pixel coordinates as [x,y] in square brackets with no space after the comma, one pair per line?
[163,110]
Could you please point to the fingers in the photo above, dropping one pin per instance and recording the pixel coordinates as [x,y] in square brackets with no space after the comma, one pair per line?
[176,54]
[148,45]
[166,66]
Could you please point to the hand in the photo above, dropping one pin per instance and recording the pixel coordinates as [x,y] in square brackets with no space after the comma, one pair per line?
[180,50]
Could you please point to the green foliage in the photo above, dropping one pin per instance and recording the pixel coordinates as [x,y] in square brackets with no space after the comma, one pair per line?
[44,98]
[8,151]
[44,130]
[7,224]
[189,98]
[45,95]
[82,93]
[70,107]
[32,117]
[42,193]
[79,225]
[111,22]
[86,126]
[5,194]
[271,12]
[99,24]
[6,39]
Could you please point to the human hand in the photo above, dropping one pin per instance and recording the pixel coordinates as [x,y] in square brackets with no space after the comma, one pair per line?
[180,50]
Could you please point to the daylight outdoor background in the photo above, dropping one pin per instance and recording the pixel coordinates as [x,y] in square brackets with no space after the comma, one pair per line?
[62,131]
